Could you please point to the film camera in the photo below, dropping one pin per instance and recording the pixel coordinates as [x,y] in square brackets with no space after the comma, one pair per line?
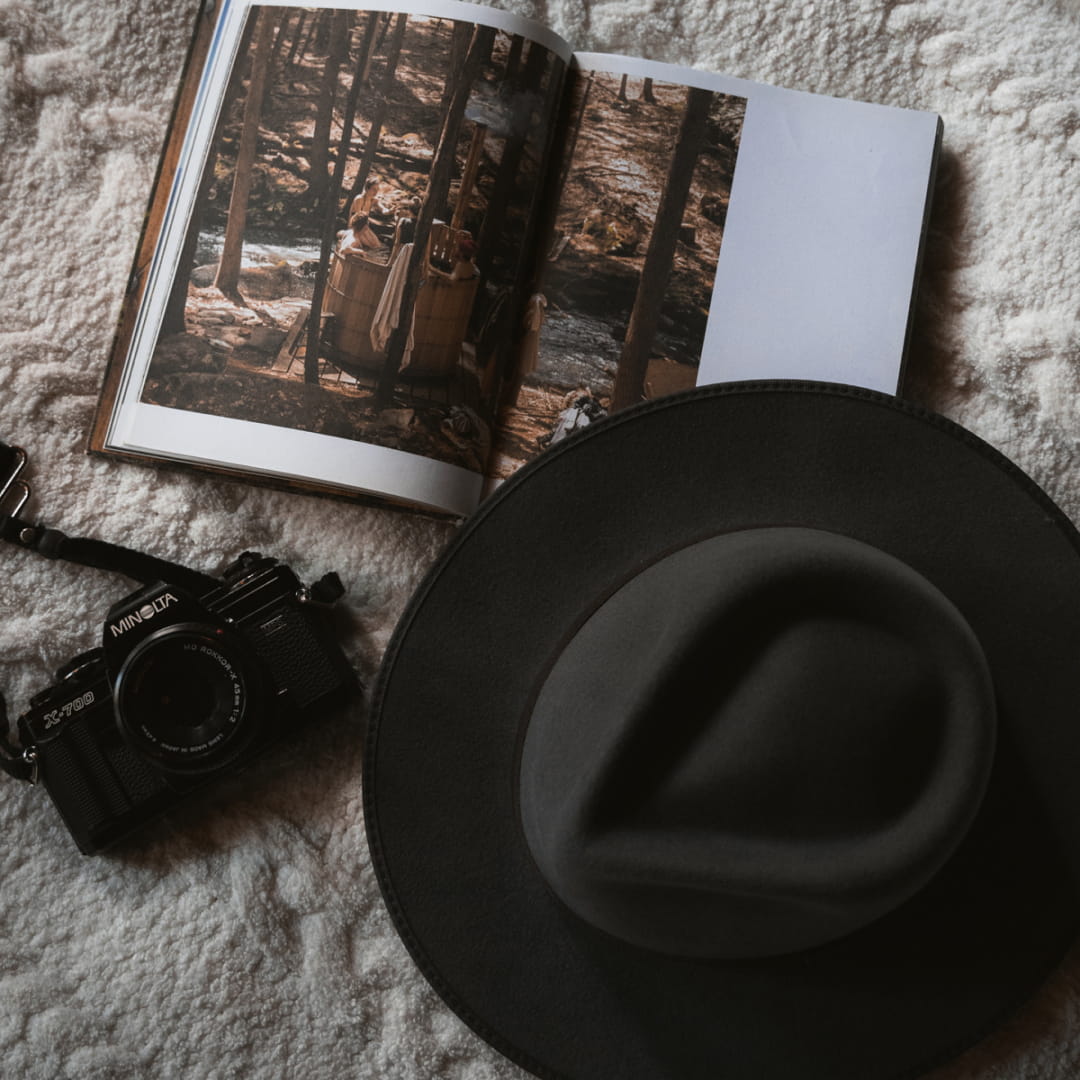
[184,688]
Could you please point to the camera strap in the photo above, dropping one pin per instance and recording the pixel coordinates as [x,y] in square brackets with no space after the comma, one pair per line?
[13,761]
[54,544]
[100,554]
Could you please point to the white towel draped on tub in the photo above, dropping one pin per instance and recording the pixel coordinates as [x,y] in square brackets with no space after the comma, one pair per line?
[388,313]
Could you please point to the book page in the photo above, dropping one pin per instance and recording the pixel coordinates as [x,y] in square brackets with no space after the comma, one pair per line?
[352,211]
[709,229]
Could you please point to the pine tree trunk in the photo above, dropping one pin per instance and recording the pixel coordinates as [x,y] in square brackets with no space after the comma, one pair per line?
[323,26]
[506,179]
[363,68]
[539,231]
[173,321]
[513,58]
[572,137]
[310,44]
[228,271]
[459,47]
[279,38]
[384,30]
[655,274]
[329,229]
[298,36]
[442,167]
[320,139]
[371,145]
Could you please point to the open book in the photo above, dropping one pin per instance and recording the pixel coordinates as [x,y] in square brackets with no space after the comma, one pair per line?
[398,251]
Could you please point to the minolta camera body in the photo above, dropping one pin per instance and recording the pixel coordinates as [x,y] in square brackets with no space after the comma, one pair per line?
[183,689]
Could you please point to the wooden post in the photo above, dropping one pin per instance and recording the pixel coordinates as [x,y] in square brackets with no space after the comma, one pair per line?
[468,177]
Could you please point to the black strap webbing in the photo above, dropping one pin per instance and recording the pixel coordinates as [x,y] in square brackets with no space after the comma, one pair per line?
[102,555]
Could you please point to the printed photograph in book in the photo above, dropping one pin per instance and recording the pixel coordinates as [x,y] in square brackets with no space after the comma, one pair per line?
[361,221]
[620,307]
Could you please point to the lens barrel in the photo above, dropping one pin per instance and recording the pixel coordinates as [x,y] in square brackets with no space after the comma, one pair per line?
[182,698]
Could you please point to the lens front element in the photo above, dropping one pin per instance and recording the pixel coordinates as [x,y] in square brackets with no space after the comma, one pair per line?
[182,698]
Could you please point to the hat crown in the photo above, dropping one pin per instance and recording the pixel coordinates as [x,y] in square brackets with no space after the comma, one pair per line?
[758,743]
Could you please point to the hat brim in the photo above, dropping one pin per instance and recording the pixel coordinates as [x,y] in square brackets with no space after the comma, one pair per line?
[440,773]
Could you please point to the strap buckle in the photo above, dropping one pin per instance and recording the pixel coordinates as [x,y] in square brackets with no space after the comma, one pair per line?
[30,760]
[12,460]
[18,762]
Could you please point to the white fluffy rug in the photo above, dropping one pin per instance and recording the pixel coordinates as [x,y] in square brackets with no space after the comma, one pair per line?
[251,942]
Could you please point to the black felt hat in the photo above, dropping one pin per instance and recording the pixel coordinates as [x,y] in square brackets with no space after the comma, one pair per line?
[736,737]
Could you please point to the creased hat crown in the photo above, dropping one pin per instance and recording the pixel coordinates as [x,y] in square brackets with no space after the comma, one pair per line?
[759,743]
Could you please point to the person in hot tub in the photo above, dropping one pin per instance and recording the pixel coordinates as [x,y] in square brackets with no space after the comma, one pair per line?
[360,237]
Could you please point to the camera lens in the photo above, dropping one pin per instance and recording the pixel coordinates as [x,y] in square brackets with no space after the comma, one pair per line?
[182,698]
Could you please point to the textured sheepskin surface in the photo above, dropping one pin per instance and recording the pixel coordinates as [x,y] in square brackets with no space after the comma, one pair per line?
[251,941]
